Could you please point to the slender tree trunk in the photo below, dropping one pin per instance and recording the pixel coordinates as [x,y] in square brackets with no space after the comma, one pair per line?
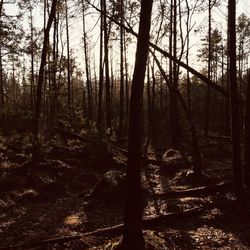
[235,117]
[32,80]
[247,136]
[126,82]
[132,237]
[68,58]
[88,80]
[174,114]
[100,110]
[54,68]
[1,70]
[187,55]
[121,112]
[106,60]
[1,79]
[209,68]
[37,115]
[148,97]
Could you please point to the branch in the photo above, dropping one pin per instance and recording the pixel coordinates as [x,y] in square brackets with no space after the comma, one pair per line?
[194,192]
[117,229]
[166,54]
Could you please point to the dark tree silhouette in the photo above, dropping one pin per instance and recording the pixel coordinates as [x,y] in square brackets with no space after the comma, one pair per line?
[237,165]
[38,103]
[247,136]
[132,237]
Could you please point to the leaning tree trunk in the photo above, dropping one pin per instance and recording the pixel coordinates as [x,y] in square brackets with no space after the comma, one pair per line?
[38,103]
[196,152]
[132,237]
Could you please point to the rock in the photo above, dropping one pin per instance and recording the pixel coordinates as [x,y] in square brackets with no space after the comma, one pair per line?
[29,195]
[172,160]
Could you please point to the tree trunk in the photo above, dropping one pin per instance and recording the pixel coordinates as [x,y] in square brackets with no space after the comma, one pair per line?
[174,114]
[121,112]
[247,136]
[68,58]
[235,118]
[106,61]
[88,80]
[209,68]
[132,237]
[37,114]
[100,91]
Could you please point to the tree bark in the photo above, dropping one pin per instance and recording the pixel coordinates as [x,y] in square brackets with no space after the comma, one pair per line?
[37,115]
[247,136]
[68,58]
[132,237]
[106,61]
[209,67]
[235,118]
[88,80]
[121,112]
[100,91]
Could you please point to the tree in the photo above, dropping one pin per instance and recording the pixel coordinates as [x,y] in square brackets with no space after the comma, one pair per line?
[247,136]
[132,236]
[37,112]
[100,91]
[87,68]
[68,58]
[237,164]
[121,112]
[106,61]
[173,72]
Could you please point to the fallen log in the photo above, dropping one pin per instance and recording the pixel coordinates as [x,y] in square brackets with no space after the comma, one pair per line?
[199,191]
[148,223]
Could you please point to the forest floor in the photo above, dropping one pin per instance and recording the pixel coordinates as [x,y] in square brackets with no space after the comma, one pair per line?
[79,188]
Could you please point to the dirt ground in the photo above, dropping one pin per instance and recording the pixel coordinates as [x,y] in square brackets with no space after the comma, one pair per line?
[80,189]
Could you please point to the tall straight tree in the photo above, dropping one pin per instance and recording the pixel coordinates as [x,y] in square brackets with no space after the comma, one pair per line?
[1,61]
[106,61]
[237,164]
[38,103]
[133,237]
[247,136]
[209,66]
[68,57]
[87,68]
[121,113]
[100,91]
[174,114]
